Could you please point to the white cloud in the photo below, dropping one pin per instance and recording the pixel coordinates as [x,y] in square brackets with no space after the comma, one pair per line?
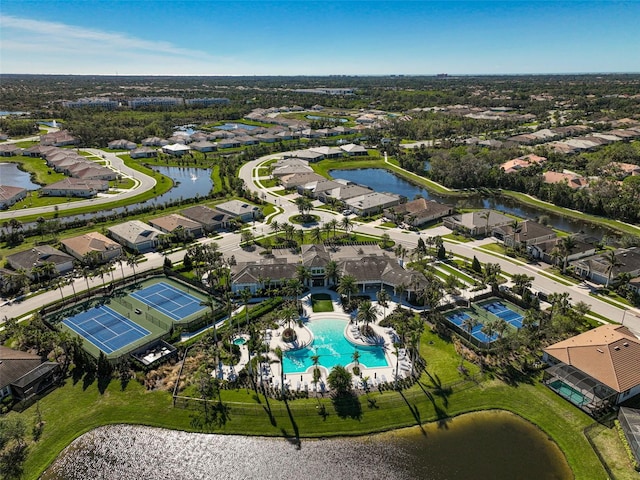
[34,46]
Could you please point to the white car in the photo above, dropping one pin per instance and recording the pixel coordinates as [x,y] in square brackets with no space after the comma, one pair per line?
[346,212]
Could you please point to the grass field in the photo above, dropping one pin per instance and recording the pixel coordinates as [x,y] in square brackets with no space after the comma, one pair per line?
[321,302]
[443,395]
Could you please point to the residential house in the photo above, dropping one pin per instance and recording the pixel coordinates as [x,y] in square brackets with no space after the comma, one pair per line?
[372,203]
[285,170]
[328,152]
[308,155]
[173,222]
[240,209]
[143,152]
[476,224]
[10,195]
[60,138]
[297,179]
[155,142]
[622,170]
[571,179]
[37,257]
[342,192]
[353,150]
[601,365]
[121,144]
[23,375]
[524,234]
[524,161]
[209,218]
[105,249]
[204,146]
[418,212]
[545,250]
[10,150]
[136,235]
[176,149]
[599,269]
[229,143]
[75,187]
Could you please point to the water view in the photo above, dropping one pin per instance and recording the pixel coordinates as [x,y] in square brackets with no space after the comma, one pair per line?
[235,126]
[331,346]
[384,181]
[11,175]
[480,446]
[328,119]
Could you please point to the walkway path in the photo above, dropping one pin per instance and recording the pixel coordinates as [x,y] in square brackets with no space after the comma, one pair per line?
[144,183]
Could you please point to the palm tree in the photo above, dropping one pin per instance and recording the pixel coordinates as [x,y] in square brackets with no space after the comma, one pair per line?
[211,303]
[489,328]
[347,286]
[367,313]
[279,354]
[275,227]
[612,262]
[245,296]
[303,274]
[567,245]
[468,324]
[485,214]
[316,371]
[383,298]
[516,227]
[356,358]
[132,261]
[346,224]
[316,235]
[304,205]
[333,224]
[332,271]
[521,282]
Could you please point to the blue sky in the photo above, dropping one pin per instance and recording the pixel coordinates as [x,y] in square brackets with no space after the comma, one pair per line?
[140,37]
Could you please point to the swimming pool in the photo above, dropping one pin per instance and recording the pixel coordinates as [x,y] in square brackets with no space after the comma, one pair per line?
[570,393]
[240,341]
[333,349]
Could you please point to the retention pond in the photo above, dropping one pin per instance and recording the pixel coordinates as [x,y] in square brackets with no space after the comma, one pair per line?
[479,446]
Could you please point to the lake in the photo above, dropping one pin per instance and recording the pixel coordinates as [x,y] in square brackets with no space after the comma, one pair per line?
[479,446]
[382,180]
[11,175]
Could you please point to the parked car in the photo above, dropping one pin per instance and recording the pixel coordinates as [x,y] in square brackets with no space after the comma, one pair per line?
[346,212]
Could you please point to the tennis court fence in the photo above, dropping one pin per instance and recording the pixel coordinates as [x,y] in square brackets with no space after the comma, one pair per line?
[157,321]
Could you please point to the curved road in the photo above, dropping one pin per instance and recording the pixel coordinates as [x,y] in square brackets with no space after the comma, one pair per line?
[144,183]
[228,243]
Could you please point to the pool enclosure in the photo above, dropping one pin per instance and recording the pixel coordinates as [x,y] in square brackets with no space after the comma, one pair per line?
[579,388]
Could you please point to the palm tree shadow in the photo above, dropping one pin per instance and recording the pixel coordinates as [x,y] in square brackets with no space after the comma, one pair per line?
[441,413]
[267,409]
[295,440]
[438,389]
[415,412]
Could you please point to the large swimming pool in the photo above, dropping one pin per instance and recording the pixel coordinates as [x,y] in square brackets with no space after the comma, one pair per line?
[333,349]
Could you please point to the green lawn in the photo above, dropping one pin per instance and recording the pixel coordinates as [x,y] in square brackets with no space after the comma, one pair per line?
[321,302]
[33,200]
[454,271]
[40,172]
[457,238]
[85,408]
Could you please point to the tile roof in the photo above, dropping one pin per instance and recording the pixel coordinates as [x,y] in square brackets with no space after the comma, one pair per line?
[609,353]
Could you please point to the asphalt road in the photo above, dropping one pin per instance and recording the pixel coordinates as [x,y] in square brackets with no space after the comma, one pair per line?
[228,244]
[143,184]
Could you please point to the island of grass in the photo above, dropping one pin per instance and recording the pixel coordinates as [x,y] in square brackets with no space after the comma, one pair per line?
[321,302]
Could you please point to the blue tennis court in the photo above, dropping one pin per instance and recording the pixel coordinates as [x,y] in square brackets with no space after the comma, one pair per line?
[499,309]
[106,329]
[167,299]
[458,319]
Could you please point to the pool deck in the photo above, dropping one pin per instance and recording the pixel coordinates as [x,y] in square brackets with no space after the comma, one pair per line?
[384,337]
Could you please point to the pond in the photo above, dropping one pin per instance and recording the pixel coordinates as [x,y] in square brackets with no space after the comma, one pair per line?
[188,183]
[11,175]
[382,180]
[328,119]
[479,446]
[235,126]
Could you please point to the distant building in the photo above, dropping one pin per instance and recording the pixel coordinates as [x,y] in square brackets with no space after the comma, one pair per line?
[156,102]
[93,102]
[10,195]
